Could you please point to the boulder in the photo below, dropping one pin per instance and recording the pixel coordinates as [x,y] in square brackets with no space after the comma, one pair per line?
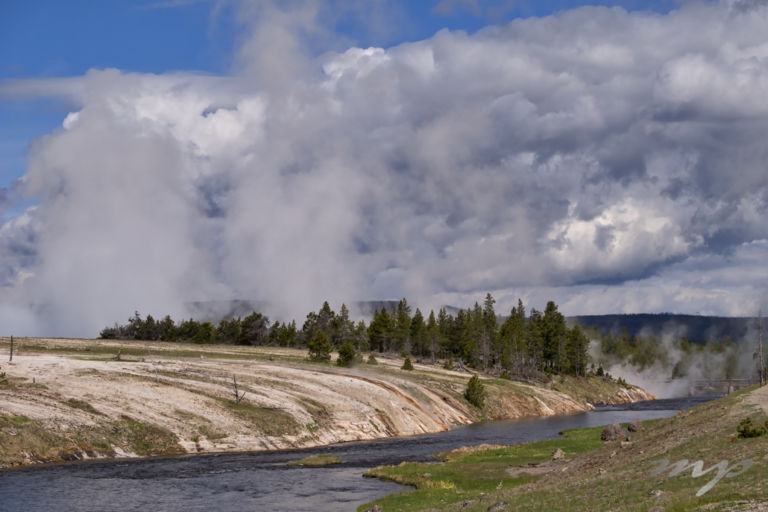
[501,505]
[635,426]
[558,454]
[614,432]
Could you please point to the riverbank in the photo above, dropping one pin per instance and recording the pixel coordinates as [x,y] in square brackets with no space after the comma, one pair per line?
[709,466]
[67,400]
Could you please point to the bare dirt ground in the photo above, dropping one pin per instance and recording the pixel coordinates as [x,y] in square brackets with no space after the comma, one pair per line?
[759,397]
[72,388]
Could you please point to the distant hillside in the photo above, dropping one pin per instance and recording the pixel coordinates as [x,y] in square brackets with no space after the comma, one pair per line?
[368,307]
[215,310]
[697,329]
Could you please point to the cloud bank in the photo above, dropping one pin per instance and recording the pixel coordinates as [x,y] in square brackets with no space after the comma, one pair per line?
[611,161]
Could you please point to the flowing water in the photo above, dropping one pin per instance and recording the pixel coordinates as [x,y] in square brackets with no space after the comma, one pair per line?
[261,481]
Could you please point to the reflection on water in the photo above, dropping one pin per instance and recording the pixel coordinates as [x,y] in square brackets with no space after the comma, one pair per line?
[261,481]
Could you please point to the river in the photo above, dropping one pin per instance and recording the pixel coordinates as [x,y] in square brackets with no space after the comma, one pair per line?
[261,481]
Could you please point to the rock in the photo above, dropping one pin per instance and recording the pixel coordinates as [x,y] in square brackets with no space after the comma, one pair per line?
[374,508]
[656,493]
[70,454]
[614,432]
[635,426]
[501,505]
[558,454]
[466,503]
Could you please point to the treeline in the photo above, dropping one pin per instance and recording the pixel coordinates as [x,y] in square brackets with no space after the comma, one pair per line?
[254,329]
[521,344]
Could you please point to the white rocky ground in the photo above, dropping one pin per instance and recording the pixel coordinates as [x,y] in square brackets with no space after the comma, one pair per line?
[188,390]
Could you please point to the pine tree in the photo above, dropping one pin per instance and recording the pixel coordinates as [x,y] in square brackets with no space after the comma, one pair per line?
[519,340]
[325,320]
[206,333]
[342,326]
[488,333]
[167,329]
[476,336]
[379,331]
[418,334]
[230,330]
[347,354]
[255,329]
[534,336]
[433,333]
[309,328]
[445,327]
[475,392]
[554,337]
[360,337]
[577,348]
[461,342]
[402,327]
[319,348]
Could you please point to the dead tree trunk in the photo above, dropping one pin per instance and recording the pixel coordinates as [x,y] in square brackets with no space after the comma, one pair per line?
[460,366]
[119,352]
[11,358]
[432,348]
[761,360]
[238,396]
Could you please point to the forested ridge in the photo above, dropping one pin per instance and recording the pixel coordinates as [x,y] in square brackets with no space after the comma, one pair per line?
[697,329]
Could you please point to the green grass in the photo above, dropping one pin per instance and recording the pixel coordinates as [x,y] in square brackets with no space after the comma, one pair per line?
[618,477]
[82,405]
[465,476]
[316,460]
[270,422]
[100,350]
[586,389]
[145,439]
[22,435]
[19,434]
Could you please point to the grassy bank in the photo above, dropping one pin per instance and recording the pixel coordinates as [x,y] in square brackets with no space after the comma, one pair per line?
[466,474]
[612,475]
[21,437]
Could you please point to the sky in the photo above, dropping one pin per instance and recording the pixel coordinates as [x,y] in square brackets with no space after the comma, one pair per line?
[606,155]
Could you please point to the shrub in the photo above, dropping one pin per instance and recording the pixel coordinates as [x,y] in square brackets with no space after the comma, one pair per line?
[475,393]
[108,333]
[448,364]
[372,359]
[407,364]
[747,429]
[347,354]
